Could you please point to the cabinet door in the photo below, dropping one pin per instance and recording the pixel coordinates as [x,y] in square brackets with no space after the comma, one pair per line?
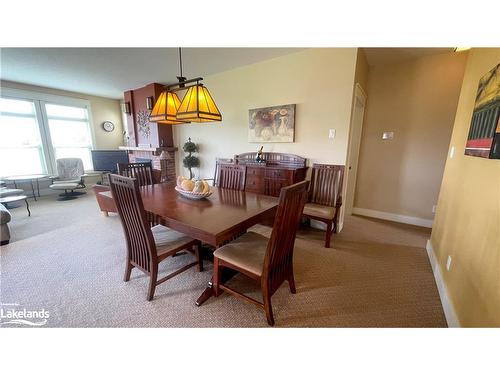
[273,186]
[254,184]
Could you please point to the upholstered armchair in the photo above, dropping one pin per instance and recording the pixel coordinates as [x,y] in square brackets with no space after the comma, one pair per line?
[70,176]
[4,227]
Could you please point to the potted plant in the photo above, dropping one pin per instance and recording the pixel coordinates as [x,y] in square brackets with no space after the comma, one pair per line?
[190,161]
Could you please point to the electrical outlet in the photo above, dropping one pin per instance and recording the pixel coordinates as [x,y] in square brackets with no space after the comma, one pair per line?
[452,152]
[331,133]
[434,208]
[448,263]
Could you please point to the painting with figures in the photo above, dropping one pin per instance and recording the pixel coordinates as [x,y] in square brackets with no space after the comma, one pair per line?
[272,124]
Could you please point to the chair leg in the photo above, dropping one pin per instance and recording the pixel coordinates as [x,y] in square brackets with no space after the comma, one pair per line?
[291,283]
[269,309]
[328,234]
[216,277]
[197,251]
[152,285]
[128,271]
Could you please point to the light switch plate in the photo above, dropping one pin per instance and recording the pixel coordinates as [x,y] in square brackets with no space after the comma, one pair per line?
[331,133]
[448,263]
[452,152]
[387,135]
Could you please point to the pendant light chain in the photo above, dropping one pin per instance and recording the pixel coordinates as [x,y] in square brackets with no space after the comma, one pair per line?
[180,59]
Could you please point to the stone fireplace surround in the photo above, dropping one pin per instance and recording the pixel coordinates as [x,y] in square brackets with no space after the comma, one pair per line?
[153,154]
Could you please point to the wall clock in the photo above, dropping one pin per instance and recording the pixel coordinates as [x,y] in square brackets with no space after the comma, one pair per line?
[108,126]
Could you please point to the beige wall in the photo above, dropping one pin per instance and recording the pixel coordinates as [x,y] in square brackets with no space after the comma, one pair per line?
[319,81]
[417,100]
[362,69]
[103,109]
[467,224]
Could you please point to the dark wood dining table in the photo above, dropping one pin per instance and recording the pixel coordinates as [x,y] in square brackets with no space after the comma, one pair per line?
[215,220]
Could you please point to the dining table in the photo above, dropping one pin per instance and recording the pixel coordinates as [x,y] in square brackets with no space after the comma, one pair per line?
[215,220]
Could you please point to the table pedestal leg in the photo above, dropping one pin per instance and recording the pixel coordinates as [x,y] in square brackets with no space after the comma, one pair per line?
[227,274]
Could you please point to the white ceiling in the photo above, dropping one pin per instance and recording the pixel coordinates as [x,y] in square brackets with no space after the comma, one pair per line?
[381,56]
[109,72]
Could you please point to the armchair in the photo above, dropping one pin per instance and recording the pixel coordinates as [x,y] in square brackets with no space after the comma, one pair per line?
[70,176]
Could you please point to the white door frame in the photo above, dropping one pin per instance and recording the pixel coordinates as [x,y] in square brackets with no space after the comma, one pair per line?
[359,95]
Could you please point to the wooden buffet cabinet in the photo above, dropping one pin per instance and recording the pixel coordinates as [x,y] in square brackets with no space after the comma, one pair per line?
[277,170]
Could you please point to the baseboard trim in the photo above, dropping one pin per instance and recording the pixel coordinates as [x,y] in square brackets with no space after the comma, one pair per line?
[393,217]
[449,311]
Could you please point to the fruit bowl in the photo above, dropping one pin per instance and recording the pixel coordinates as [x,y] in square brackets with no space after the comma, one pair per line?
[192,195]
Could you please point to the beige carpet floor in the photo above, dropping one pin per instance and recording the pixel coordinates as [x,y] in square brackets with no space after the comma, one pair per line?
[69,259]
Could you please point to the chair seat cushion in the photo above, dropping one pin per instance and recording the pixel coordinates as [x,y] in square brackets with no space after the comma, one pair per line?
[65,186]
[76,180]
[318,210]
[246,252]
[167,239]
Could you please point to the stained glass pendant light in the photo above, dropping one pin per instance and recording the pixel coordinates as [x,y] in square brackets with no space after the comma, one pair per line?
[165,109]
[198,106]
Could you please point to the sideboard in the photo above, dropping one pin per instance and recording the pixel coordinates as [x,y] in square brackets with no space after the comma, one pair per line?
[277,170]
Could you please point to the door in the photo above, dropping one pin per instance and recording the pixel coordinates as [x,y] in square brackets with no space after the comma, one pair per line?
[354,145]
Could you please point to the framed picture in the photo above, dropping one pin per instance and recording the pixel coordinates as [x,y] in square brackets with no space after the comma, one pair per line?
[272,124]
[484,131]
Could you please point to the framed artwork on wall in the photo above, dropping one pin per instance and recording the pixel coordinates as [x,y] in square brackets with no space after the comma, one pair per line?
[272,124]
[484,131]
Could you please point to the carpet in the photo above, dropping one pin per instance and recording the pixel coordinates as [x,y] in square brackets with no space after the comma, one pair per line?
[69,259]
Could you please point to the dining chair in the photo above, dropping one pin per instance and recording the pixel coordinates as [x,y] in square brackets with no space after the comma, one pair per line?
[146,246]
[325,197]
[218,162]
[268,261]
[143,172]
[231,176]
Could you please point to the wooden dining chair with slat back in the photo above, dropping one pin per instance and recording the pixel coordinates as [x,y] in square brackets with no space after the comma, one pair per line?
[146,246]
[143,172]
[231,176]
[218,163]
[269,261]
[325,197]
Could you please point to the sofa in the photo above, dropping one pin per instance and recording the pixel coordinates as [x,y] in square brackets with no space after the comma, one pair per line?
[4,227]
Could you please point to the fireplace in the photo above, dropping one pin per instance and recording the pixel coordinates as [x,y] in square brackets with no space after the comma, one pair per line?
[152,154]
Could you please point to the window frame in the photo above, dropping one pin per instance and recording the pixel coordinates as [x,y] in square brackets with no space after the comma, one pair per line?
[39,100]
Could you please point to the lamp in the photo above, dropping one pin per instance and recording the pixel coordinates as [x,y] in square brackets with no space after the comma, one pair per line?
[165,109]
[198,106]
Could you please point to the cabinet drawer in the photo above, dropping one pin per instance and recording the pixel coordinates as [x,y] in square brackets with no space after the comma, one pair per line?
[255,172]
[254,183]
[278,173]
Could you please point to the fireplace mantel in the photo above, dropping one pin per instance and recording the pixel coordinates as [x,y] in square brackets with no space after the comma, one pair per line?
[154,150]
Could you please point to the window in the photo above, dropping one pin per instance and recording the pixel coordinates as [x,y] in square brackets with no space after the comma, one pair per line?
[70,133]
[20,142]
[38,129]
